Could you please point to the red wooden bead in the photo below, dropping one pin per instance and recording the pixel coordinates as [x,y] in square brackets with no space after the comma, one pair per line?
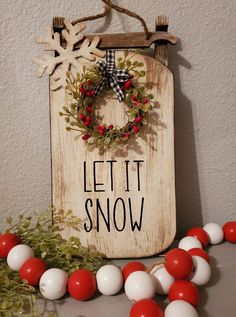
[146,308]
[82,284]
[229,229]
[132,267]
[199,252]
[184,290]
[7,242]
[199,234]
[179,263]
[32,270]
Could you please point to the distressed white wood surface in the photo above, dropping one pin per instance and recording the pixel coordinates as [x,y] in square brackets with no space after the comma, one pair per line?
[157,182]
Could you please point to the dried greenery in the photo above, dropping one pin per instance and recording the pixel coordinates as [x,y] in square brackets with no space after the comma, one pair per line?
[16,297]
[79,112]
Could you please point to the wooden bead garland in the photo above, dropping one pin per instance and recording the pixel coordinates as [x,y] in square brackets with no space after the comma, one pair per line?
[199,276]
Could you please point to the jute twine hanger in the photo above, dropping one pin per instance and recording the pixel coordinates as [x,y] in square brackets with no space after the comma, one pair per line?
[108,6]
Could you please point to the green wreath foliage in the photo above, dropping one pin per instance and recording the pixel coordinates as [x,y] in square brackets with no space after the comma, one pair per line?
[17,298]
[79,112]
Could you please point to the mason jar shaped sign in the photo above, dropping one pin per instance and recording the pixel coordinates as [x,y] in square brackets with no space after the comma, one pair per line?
[118,175]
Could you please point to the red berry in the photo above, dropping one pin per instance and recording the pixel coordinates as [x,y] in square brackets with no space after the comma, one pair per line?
[199,252]
[87,123]
[82,117]
[136,104]
[86,137]
[138,119]
[132,267]
[179,263]
[90,93]
[7,242]
[88,118]
[89,109]
[128,84]
[184,290]
[199,234]
[125,135]
[82,90]
[136,129]
[110,127]
[146,308]
[145,100]
[134,98]
[101,129]
[32,270]
[82,284]
[89,82]
[229,229]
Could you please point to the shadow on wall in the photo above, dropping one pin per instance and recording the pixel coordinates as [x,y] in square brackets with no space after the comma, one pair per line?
[188,198]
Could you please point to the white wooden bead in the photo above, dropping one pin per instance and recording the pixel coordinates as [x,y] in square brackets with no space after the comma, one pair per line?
[109,279]
[188,243]
[180,308]
[202,271]
[53,283]
[215,232]
[163,279]
[18,255]
[140,285]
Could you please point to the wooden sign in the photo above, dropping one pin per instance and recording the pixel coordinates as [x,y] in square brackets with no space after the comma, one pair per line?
[125,198]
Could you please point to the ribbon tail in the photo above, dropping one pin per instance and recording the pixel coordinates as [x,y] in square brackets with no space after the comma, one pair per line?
[102,66]
[110,58]
[116,88]
[100,86]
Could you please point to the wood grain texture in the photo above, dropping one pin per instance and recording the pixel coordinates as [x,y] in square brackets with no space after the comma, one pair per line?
[122,40]
[157,183]
[161,50]
[130,40]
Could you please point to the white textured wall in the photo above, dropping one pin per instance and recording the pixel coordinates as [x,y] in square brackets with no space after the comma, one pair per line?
[205,111]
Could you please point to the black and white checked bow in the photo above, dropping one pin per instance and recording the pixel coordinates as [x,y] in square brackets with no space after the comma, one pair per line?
[111,76]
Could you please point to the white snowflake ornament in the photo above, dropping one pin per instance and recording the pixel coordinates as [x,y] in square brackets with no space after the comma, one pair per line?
[67,58]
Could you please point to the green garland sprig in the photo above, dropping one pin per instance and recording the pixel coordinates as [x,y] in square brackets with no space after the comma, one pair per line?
[38,231]
[79,113]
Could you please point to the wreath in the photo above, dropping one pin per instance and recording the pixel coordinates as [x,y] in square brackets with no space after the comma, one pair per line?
[83,89]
